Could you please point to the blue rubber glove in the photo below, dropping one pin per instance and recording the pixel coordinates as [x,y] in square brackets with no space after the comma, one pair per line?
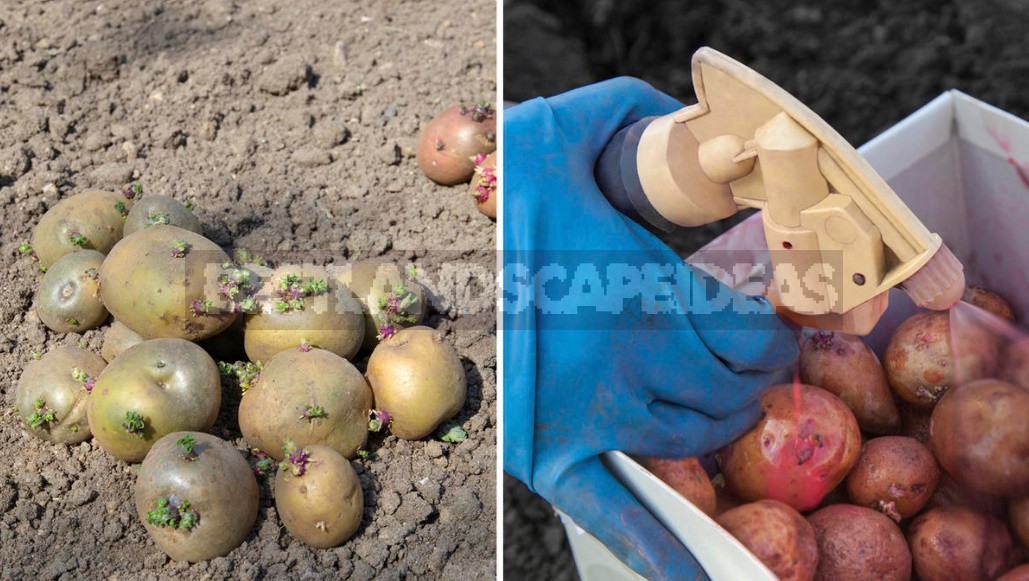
[610,341]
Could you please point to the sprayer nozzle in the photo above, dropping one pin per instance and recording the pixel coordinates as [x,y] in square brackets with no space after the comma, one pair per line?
[939,284]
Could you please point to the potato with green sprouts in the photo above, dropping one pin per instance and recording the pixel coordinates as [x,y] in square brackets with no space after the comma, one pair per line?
[389,296]
[311,396]
[318,495]
[86,221]
[152,389]
[157,290]
[418,380]
[53,393]
[303,304]
[159,210]
[196,496]
[68,299]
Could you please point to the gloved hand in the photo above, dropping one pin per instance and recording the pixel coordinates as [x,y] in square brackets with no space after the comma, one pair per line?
[610,341]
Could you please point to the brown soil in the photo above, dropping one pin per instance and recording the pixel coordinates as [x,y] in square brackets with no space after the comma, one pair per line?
[291,127]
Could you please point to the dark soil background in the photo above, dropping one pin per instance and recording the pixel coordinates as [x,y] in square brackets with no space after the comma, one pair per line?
[291,127]
[861,65]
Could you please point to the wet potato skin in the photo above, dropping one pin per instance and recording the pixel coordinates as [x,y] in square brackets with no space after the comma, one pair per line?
[323,507]
[176,212]
[68,299]
[417,377]
[272,410]
[91,214]
[219,485]
[172,383]
[51,380]
[152,292]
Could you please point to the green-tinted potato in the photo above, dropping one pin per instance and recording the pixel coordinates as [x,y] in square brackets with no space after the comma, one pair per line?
[154,210]
[118,338]
[373,280]
[171,384]
[69,294]
[55,384]
[330,320]
[219,485]
[283,403]
[418,379]
[158,294]
[323,506]
[93,215]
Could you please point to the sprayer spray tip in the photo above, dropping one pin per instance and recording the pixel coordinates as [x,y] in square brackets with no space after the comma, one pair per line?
[939,284]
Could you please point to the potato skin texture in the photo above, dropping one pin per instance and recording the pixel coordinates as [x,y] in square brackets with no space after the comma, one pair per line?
[417,376]
[845,366]
[797,452]
[219,485]
[1014,366]
[960,544]
[50,379]
[461,138]
[920,362]
[1020,573]
[273,409]
[328,493]
[989,301]
[91,214]
[176,212]
[777,535]
[687,477]
[152,292]
[978,434]
[1018,518]
[172,383]
[118,338]
[374,278]
[859,544]
[68,299]
[332,321]
[894,474]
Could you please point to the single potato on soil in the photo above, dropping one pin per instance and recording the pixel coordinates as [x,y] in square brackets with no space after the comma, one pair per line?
[318,496]
[90,220]
[53,393]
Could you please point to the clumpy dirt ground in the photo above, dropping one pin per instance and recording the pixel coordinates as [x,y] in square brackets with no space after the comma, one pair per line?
[291,127]
[861,65]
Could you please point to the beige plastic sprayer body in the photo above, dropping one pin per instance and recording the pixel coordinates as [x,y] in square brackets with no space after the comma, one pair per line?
[838,236]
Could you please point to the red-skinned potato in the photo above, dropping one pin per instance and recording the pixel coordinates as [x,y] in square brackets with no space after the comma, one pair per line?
[304,305]
[318,496]
[118,338]
[989,301]
[450,142]
[859,544]
[156,283]
[1018,518]
[214,479]
[959,543]
[844,365]
[687,477]
[1014,367]
[417,378]
[777,535]
[312,397]
[53,392]
[922,363]
[68,299]
[914,420]
[1020,573]
[951,493]
[979,436]
[894,475]
[151,390]
[156,210]
[483,187]
[799,450]
[90,220]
